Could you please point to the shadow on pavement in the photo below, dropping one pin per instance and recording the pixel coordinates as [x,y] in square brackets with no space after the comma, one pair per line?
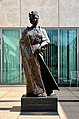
[13,109]
[18,109]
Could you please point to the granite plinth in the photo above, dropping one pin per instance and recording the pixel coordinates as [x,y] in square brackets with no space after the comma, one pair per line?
[43,104]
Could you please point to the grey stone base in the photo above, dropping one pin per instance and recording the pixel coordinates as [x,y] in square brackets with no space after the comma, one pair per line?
[43,104]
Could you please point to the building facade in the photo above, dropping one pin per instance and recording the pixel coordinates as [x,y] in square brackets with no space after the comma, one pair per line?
[60,18]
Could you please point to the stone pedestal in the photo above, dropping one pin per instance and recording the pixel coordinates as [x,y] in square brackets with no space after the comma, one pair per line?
[35,104]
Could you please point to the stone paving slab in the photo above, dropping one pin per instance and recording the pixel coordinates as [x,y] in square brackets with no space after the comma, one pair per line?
[69,100]
[39,117]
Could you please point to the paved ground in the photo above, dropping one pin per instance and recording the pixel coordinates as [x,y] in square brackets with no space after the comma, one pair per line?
[69,100]
[10,102]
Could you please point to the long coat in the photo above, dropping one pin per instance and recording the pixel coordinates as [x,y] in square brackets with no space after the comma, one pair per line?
[38,77]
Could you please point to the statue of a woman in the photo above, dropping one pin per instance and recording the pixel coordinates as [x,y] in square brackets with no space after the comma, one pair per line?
[34,40]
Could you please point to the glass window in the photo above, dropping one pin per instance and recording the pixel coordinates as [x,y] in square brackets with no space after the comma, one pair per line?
[51,53]
[68,55]
[10,56]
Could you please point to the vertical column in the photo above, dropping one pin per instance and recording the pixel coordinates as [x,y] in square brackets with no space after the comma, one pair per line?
[58,56]
[1,56]
[20,62]
[77,56]
[20,12]
[20,52]
[58,46]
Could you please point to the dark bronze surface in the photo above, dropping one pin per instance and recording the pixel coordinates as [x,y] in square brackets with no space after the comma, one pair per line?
[34,40]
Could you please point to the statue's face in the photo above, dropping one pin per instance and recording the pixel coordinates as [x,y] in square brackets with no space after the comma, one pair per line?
[34,21]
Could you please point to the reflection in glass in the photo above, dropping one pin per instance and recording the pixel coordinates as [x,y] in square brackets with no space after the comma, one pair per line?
[51,53]
[10,56]
[68,55]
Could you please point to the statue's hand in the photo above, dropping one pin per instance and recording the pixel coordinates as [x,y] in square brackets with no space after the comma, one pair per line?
[37,51]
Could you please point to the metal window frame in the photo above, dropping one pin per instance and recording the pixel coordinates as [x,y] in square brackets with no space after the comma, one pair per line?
[77,54]
[58,55]
[20,63]
[1,56]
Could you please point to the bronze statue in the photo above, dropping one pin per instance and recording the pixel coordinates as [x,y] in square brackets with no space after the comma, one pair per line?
[34,40]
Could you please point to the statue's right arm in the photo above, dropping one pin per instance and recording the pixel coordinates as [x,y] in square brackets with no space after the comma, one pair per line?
[23,35]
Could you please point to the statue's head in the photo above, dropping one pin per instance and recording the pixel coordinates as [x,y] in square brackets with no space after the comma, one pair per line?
[33,17]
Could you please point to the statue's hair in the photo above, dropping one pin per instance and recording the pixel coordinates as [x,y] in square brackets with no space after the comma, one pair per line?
[33,14]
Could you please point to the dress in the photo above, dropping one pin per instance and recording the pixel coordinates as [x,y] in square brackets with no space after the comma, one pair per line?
[36,80]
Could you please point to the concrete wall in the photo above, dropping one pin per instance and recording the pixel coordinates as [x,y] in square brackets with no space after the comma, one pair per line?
[9,13]
[47,9]
[53,13]
[69,13]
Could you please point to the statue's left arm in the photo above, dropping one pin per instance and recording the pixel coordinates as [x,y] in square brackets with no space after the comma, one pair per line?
[45,40]
[44,43]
